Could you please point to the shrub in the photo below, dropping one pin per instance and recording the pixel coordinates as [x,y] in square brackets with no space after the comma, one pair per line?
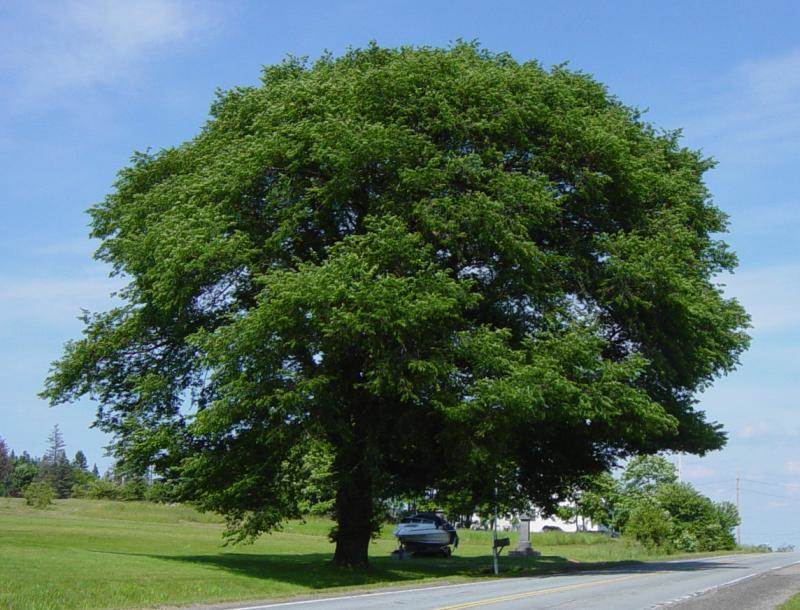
[133,489]
[698,523]
[23,475]
[39,494]
[102,489]
[685,540]
[650,524]
[79,490]
[161,492]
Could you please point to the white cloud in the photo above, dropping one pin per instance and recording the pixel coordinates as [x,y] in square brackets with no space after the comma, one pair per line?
[773,80]
[753,431]
[792,467]
[698,472]
[54,300]
[754,115]
[777,504]
[53,48]
[81,247]
[767,220]
[770,294]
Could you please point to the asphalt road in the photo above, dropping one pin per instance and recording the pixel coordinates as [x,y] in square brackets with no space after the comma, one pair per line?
[764,591]
[678,583]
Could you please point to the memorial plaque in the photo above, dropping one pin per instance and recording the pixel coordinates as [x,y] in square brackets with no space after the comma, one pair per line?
[524,547]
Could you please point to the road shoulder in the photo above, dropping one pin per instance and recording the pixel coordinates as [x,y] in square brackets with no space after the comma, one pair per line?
[763,591]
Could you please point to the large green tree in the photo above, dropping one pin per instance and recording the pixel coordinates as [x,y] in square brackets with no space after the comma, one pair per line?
[455,271]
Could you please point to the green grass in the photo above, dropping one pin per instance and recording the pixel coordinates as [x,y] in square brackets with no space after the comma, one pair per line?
[103,554]
[793,603]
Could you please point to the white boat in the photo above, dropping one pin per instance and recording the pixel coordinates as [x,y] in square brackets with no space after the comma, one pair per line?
[426,533]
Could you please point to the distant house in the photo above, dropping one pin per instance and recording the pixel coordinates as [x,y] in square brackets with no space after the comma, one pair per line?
[538,524]
[576,525]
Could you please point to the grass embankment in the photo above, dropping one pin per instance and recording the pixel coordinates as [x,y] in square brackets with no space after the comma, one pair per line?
[793,603]
[103,554]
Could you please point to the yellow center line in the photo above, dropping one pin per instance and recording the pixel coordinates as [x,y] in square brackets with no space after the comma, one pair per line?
[516,596]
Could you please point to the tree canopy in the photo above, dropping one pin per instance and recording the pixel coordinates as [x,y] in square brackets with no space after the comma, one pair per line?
[452,270]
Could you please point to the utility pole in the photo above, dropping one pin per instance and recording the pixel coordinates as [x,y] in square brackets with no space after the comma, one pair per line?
[680,467]
[738,510]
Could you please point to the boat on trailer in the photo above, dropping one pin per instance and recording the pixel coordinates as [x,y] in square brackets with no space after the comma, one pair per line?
[426,533]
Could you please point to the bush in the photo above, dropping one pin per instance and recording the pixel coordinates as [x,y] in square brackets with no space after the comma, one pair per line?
[102,489]
[650,524]
[698,523]
[133,489]
[39,494]
[79,490]
[161,492]
[23,475]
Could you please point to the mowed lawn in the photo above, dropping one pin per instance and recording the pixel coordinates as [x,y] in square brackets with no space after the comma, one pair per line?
[103,554]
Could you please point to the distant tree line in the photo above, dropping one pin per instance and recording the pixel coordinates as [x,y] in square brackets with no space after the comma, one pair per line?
[646,501]
[54,475]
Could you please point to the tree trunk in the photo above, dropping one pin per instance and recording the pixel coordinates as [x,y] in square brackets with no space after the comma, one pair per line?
[354,509]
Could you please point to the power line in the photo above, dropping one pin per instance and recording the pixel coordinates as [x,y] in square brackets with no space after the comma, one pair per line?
[762,493]
[791,485]
[705,483]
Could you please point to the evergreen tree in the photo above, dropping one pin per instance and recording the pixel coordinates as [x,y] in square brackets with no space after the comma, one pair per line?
[95,472]
[6,468]
[55,468]
[56,447]
[80,474]
[80,461]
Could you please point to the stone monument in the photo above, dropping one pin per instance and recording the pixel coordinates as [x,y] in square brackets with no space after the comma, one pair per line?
[524,548]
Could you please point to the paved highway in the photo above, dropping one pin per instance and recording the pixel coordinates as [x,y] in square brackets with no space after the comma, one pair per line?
[634,587]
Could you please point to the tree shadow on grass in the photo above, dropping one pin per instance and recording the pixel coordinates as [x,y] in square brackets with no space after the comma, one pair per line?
[314,571]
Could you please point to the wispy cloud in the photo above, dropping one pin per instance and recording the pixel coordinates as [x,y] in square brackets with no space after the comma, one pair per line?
[754,115]
[52,301]
[753,431]
[792,467]
[759,434]
[49,48]
[767,220]
[698,472]
[770,295]
[773,80]
[71,247]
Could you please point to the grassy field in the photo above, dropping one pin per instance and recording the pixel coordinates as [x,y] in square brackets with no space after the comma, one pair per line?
[103,554]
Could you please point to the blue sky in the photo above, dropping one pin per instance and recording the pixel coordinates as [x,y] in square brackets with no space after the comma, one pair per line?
[85,83]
